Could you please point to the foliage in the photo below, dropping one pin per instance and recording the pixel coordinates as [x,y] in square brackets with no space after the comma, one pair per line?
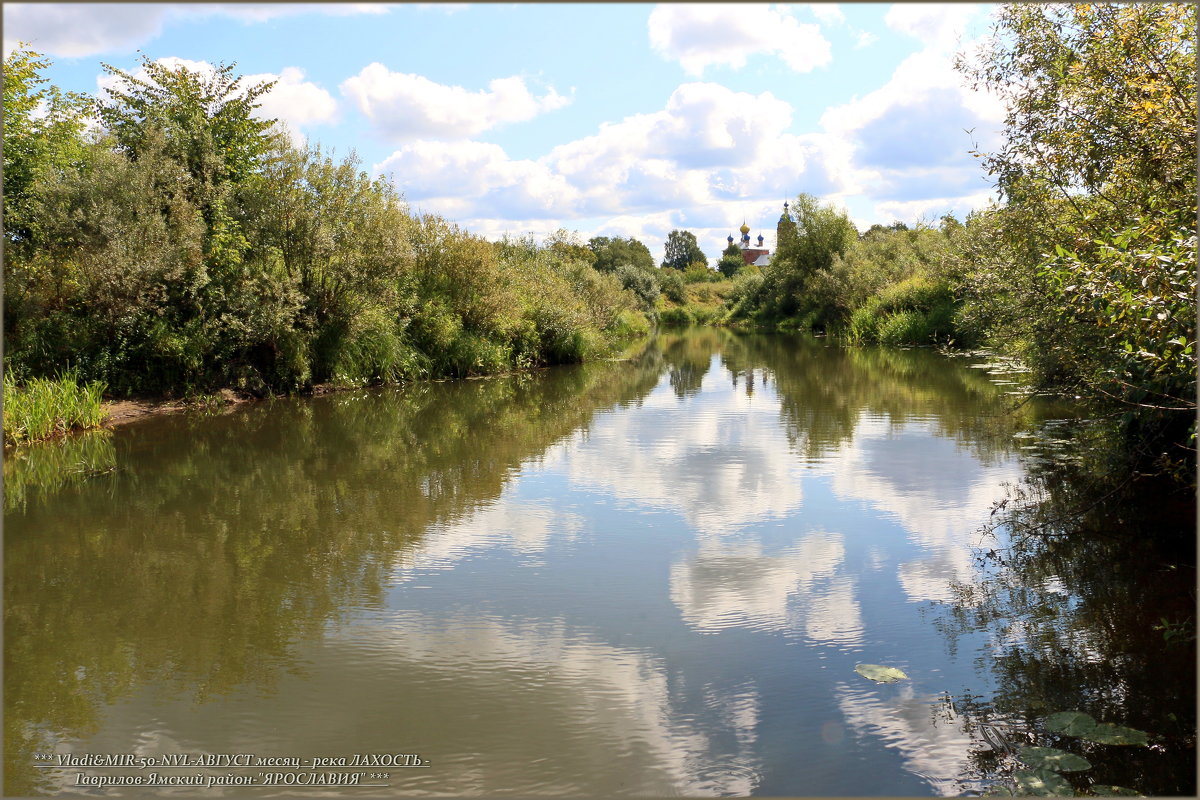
[914,311]
[682,251]
[190,247]
[612,253]
[208,120]
[642,282]
[43,136]
[1088,271]
[43,408]
[631,262]
[730,264]
[822,233]
[672,285]
[1101,105]
[698,272]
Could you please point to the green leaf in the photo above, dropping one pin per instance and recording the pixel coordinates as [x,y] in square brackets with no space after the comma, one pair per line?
[1043,783]
[880,674]
[1052,758]
[1114,791]
[1070,723]
[1108,733]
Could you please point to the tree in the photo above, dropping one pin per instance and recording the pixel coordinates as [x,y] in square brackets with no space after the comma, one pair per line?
[1102,112]
[822,232]
[43,134]
[567,245]
[208,120]
[1088,272]
[611,253]
[731,261]
[682,251]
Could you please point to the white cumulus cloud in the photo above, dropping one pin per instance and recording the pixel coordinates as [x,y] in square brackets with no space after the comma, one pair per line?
[939,26]
[475,179]
[74,30]
[906,145]
[405,106]
[706,34]
[698,164]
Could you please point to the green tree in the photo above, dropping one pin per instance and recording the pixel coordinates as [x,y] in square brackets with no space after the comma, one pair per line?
[822,233]
[208,120]
[1088,271]
[1102,110]
[611,253]
[731,261]
[682,251]
[43,136]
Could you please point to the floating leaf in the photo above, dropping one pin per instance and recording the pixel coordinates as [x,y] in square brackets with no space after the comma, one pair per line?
[999,789]
[880,674]
[1070,723]
[1108,733]
[1083,726]
[1052,758]
[1114,791]
[995,738]
[1043,783]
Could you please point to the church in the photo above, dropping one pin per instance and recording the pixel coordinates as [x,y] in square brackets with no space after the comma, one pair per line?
[759,256]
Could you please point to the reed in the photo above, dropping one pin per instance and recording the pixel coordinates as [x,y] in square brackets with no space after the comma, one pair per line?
[46,407]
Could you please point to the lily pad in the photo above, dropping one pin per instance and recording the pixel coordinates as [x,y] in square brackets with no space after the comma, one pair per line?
[1108,733]
[1043,783]
[1052,758]
[880,674]
[999,790]
[1114,791]
[1070,723]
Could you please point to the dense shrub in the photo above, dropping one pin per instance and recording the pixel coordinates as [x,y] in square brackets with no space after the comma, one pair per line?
[671,283]
[183,252]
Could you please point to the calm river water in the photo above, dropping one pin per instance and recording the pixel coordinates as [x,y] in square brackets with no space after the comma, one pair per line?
[646,577]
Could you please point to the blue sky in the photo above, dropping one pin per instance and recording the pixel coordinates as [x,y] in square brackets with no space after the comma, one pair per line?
[605,119]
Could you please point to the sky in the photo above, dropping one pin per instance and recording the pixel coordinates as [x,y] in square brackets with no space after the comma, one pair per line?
[603,119]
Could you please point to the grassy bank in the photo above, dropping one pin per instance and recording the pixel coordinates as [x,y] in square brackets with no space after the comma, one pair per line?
[46,407]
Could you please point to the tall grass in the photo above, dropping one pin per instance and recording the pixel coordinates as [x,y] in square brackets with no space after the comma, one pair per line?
[46,407]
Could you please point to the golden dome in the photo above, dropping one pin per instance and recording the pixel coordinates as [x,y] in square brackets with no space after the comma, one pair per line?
[745,228]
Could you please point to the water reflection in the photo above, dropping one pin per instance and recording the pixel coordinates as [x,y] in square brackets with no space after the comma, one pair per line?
[931,746]
[739,585]
[719,459]
[647,577]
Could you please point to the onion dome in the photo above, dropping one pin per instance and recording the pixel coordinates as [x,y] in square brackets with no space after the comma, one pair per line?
[745,229]
[760,240]
[731,238]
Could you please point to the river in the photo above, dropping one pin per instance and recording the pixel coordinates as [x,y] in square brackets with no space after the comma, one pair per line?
[653,576]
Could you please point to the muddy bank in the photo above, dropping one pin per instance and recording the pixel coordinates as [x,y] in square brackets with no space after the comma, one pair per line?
[120,412]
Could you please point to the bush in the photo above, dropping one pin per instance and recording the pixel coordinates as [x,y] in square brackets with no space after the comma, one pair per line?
[639,281]
[905,327]
[700,273]
[671,282]
[675,316]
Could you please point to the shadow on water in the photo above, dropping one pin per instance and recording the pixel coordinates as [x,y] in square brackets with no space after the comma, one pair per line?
[1090,607]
